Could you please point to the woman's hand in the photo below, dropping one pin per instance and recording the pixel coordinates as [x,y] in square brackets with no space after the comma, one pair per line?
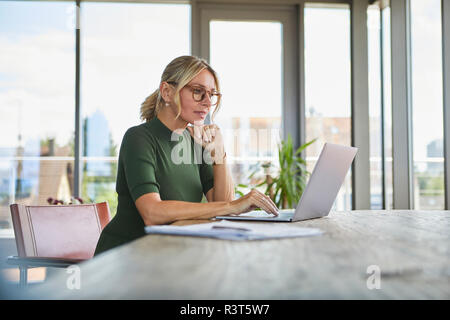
[252,200]
[210,137]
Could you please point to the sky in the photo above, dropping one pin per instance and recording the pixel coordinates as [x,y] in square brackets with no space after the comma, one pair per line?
[426,65]
[125,48]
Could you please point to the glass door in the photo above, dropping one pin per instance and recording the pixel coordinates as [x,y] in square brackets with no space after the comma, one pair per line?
[254,55]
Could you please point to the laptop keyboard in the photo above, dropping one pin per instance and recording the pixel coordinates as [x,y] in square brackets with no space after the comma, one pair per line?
[263,214]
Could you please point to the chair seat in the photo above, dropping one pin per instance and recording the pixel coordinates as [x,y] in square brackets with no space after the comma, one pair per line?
[35,262]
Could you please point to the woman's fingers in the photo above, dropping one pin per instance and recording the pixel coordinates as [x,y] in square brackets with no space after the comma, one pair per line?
[196,133]
[208,134]
[200,134]
[255,199]
[267,198]
[203,134]
[265,202]
[272,205]
[265,206]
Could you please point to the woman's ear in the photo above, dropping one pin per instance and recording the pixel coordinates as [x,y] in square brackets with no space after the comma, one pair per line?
[166,92]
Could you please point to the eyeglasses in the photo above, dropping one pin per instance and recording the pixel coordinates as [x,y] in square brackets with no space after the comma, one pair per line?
[199,94]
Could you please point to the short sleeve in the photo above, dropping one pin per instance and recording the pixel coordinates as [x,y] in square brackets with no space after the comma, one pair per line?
[139,162]
[206,176]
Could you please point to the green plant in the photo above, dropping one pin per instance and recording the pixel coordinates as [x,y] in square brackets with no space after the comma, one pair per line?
[287,184]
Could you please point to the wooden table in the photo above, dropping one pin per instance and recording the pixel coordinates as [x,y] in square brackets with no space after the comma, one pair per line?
[410,248]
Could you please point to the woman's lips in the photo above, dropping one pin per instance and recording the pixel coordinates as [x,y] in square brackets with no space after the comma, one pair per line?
[201,113]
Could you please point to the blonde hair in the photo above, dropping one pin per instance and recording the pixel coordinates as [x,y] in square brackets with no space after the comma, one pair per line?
[180,71]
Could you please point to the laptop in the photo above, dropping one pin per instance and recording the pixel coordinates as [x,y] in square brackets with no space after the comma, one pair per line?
[320,192]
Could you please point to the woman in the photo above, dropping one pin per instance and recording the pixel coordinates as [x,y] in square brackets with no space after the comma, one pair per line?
[153,185]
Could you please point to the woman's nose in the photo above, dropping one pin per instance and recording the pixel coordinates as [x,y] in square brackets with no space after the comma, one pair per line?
[207,99]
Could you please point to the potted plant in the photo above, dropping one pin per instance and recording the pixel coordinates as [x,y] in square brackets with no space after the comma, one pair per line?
[284,183]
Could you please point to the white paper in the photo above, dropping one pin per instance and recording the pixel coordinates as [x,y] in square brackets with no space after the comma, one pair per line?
[230,230]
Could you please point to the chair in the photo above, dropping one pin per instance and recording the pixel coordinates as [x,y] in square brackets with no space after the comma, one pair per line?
[56,236]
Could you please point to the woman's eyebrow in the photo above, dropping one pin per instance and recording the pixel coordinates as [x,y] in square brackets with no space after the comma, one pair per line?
[200,85]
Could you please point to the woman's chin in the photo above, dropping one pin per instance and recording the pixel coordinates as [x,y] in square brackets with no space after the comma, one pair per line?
[197,122]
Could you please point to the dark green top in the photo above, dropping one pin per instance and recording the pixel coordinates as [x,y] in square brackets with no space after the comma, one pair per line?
[152,159]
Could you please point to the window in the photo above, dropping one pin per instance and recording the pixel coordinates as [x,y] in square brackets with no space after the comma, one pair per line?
[125,48]
[252,90]
[328,84]
[427,100]
[37,84]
